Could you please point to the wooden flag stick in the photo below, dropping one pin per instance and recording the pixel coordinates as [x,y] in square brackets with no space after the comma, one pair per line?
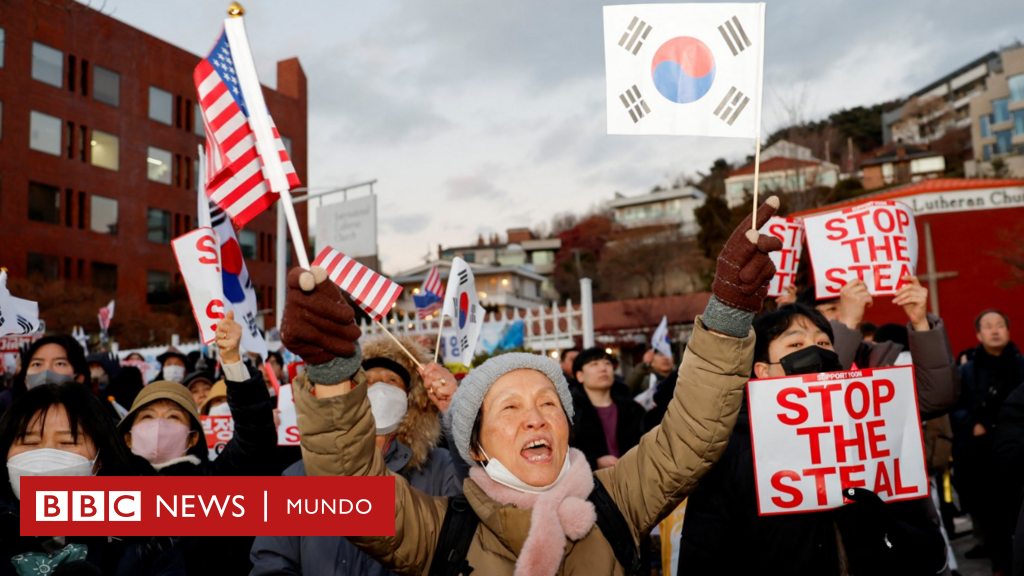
[400,345]
[757,172]
[440,328]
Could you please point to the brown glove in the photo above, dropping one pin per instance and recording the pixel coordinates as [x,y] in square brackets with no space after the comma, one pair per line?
[744,268]
[319,326]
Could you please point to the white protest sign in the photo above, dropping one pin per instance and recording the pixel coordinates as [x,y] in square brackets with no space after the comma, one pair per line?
[198,254]
[815,435]
[875,242]
[219,430]
[288,429]
[349,227]
[787,260]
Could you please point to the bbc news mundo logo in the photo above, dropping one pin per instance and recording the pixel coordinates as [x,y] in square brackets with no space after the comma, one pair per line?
[89,506]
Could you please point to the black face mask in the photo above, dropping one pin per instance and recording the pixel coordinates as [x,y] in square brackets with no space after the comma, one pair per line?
[810,360]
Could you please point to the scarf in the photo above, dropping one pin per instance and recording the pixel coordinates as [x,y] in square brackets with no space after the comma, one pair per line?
[559,514]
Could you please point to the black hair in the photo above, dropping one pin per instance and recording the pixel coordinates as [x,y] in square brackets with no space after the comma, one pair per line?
[868,329]
[893,333]
[590,355]
[770,326]
[388,364]
[977,321]
[86,415]
[276,356]
[126,386]
[76,357]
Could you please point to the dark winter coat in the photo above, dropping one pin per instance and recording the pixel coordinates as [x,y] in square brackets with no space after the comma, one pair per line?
[588,434]
[987,381]
[335,555]
[723,533]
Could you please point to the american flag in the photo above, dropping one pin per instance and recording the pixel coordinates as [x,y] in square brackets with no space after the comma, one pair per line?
[431,298]
[106,315]
[374,293]
[235,178]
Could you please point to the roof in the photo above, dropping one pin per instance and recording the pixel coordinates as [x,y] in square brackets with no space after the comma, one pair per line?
[419,273]
[661,195]
[910,153]
[776,165]
[923,187]
[647,312]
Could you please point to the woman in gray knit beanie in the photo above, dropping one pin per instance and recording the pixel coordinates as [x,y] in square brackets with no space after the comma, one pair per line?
[510,419]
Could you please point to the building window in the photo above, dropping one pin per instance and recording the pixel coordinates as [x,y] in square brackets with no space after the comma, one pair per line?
[43,265]
[1000,110]
[43,203]
[103,215]
[1018,122]
[287,145]
[104,277]
[158,287]
[159,226]
[105,149]
[44,133]
[542,258]
[2,41]
[986,131]
[247,241]
[158,163]
[198,123]
[47,65]
[986,152]
[1004,142]
[106,86]
[161,105]
[1016,84]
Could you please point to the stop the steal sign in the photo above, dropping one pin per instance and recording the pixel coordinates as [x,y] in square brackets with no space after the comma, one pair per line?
[817,434]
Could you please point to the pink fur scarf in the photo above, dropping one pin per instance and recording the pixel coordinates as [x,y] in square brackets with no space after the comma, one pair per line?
[560,513]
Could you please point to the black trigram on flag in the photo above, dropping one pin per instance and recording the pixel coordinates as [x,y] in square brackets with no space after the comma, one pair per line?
[25,325]
[463,277]
[636,34]
[735,37]
[465,343]
[634,104]
[730,107]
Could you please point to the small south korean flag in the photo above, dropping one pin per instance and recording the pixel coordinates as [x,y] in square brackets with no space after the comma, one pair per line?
[686,69]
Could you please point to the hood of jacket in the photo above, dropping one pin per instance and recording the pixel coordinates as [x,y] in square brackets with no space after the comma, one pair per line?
[420,428]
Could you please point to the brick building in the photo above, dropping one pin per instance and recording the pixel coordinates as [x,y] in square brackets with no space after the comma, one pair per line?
[99,129]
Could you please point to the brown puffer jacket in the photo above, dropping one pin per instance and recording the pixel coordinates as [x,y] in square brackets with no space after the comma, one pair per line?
[420,429]
[647,484]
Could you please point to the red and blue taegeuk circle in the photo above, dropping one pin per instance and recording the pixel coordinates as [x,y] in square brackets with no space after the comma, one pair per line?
[683,69]
[463,310]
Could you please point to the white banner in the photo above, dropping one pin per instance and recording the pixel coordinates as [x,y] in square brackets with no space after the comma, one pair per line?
[198,254]
[288,429]
[349,227]
[875,242]
[684,68]
[817,434]
[787,260]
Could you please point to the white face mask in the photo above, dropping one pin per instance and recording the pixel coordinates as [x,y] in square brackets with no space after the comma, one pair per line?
[221,409]
[389,405]
[174,373]
[47,462]
[497,472]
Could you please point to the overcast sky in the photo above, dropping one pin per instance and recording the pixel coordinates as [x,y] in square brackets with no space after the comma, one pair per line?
[476,116]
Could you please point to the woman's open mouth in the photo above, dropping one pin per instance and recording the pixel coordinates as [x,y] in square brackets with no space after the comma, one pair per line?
[537,451]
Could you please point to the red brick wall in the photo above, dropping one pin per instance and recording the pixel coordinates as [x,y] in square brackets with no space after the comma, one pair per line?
[142,61]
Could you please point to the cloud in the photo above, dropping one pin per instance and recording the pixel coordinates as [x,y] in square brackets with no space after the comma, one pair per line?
[407,224]
[473,187]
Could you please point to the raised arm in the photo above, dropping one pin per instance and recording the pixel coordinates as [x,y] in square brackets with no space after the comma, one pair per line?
[650,480]
[334,418]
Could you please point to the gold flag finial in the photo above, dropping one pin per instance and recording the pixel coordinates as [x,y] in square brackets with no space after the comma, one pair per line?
[235,10]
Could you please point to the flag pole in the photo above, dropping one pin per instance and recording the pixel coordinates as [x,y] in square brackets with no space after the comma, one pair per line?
[400,345]
[440,328]
[757,117]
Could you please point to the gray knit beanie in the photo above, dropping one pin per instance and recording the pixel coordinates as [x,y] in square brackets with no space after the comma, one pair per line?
[469,397]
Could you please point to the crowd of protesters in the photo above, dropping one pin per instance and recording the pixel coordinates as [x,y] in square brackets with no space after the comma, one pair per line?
[530,466]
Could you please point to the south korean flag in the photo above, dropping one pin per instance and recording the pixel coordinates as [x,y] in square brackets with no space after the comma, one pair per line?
[17,316]
[686,69]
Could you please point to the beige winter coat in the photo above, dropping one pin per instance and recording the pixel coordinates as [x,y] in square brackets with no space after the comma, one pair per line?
[648,482]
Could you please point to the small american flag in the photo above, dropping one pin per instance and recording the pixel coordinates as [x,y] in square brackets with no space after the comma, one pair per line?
[432,297]
[106,315]
[235,179]
[374,293]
